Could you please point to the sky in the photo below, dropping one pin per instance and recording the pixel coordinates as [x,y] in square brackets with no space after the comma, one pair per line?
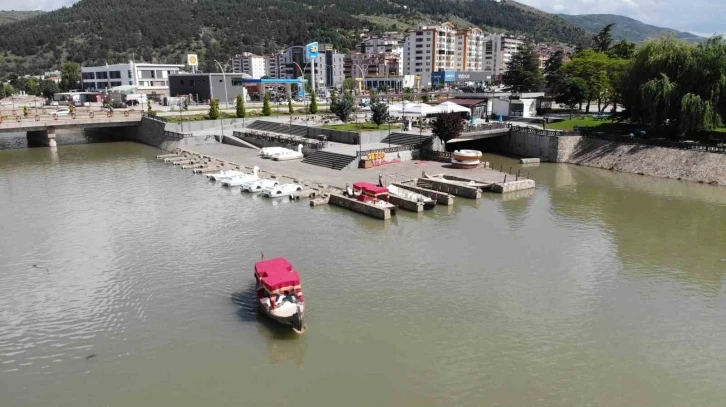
[702,17]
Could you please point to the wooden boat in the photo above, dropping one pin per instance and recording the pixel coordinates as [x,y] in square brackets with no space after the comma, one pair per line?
[279,293]
[412,196]
[372,194]
[466,158]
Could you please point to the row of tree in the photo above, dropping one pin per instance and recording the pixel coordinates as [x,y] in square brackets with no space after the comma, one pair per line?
[70,80]
[666,84]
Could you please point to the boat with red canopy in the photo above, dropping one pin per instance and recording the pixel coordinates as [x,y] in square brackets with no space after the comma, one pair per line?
[279,292]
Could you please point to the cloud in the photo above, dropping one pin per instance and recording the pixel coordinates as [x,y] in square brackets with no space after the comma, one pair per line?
[703,16]
[46,5]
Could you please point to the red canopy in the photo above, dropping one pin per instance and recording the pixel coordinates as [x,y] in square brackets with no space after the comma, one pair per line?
[370,188]
[277,275]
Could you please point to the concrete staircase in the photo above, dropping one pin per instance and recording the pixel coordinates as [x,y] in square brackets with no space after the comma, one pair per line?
[405,139]
[274,127]
[329,159]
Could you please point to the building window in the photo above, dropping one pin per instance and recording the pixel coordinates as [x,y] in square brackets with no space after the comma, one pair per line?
[115,83]
[88,75]
[192,82]
[181,82]
[115,75]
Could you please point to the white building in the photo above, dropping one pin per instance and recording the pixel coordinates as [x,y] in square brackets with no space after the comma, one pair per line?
[390,48]
[275,65]
[150,79]
[251,64]
[442,48]
[498,52]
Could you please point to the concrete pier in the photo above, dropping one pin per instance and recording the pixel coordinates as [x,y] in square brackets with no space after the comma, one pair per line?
[450,188]
[441,198]
[407,204]
[511,186]
[362,207]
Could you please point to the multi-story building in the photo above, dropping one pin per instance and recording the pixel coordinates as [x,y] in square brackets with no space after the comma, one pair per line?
[391,47]
[150,79]
[498,52]
[442,48]
[275,65]
[383,64]
[469,50]
[249,63]
[329,66]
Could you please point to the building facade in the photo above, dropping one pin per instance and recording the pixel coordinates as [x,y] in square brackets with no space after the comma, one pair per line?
[442,48]
[275,65]
[150,79]
[498,52]
[358,65]
[329,66]
[251,64]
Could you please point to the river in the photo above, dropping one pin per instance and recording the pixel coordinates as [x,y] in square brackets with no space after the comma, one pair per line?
[126,282]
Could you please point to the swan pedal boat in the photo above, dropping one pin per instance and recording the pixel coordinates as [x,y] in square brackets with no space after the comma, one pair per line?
[258,185]
[287,155]
[241,179]
[279,293]
[282,190]
[268,152]
[218,176]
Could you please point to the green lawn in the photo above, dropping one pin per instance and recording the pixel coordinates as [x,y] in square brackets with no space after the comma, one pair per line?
[355,127]
[606,125]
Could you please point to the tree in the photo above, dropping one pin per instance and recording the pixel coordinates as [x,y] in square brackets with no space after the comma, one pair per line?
[343,107]
[70,76]
[554,76]
[148,106]
[623,50]
[48,88]
[349,84]
[240,107]
[8,90]
[425,99]
[572,92]
[523,73]
[25,111]
[289,105]
[213,109]
[600,72]
[379,112]
[447,126]
[266,110]
[313,103]
[32,87]
[604,39]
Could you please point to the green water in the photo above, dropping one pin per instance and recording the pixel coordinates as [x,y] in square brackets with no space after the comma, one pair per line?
[598,289]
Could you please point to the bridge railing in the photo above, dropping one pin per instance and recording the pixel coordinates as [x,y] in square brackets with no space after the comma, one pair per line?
[280,139]
[45,117]
[474,128]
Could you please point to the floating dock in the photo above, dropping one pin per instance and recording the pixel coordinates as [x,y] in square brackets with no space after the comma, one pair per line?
[512,186]
[362,207]
[407,204]
[449,188]
[441,198]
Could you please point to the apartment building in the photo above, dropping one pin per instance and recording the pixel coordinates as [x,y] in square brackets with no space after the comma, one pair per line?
[498,52]
[251,64]
[358,65]
[275,65]
[442,48]
[329,66]
[390,47]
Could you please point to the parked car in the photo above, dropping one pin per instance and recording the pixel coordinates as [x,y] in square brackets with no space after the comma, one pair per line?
[63,111]
[54,103]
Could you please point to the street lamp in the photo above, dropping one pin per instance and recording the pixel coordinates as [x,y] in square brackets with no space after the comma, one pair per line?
[305,101]
[224,78]
[363,74]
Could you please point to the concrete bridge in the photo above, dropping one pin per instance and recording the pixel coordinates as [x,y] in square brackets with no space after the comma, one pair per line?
[483,131]
[41,129]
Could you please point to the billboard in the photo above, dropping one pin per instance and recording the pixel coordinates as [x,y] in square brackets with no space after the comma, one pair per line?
[443,76]
[192,60]
[473,76]
[311,50]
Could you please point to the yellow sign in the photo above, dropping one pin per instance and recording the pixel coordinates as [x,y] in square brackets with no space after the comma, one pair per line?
[192,60]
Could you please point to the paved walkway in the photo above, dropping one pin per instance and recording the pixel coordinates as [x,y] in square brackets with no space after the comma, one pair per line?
[319,175]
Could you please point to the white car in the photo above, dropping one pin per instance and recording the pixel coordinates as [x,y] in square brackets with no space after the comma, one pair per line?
[54,103]
[63,111]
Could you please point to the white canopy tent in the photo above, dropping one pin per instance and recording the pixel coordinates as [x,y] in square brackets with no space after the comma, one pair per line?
[451,107]
[416,109]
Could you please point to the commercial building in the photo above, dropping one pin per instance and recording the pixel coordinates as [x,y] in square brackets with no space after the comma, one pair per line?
[249,63]
[150,79]
[358,65]
[203,87]
[329,66]
[442,48]
[394,84]
[498,52]
[444,79]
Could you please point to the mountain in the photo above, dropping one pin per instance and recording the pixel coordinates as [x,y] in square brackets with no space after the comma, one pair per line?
[100,31]
[12,16]
[626,28]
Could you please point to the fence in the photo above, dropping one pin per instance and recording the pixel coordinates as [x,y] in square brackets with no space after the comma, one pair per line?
[280,139]
[681,145]
[485,126]
[395,149]
[173,134]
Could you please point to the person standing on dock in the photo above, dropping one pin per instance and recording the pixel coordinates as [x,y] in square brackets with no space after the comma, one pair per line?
[380,179]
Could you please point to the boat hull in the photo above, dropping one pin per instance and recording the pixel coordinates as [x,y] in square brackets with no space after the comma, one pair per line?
[465,164]
[296,321]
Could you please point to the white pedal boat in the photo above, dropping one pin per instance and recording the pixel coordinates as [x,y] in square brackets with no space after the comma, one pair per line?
[217,176]
[466,158]
[268,152]
[258,185]
[241,179]
[412,196]
[287,155]
[282,190]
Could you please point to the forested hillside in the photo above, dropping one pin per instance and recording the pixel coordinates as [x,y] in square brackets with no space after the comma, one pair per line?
[95,31]
[626,28]
[11,16]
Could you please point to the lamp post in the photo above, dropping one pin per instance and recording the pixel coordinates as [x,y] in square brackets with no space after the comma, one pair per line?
[305,102]
[363,74]
[224,78]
